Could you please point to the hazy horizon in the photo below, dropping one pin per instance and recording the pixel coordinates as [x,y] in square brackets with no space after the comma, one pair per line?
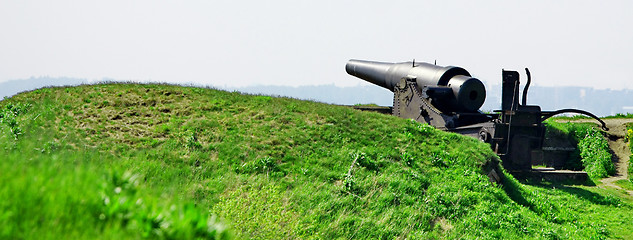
[602,102]
[293,43]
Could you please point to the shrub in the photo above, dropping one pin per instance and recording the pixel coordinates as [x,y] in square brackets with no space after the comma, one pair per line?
[593,150]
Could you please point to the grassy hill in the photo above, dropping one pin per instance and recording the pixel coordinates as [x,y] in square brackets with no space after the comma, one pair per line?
[159,161]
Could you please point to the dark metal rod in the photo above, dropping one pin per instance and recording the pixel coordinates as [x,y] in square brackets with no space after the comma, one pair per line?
[514,96]
[527,85]
[547,115]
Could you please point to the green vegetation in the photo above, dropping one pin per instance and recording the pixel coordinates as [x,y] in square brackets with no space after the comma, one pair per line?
[593,154]
[625,184]
[158,161]
[621,115]
[579,116]
[51,189]
[629,139]
[574,117]
[8,117]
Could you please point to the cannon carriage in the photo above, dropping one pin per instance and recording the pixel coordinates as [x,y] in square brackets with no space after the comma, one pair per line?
[449,98]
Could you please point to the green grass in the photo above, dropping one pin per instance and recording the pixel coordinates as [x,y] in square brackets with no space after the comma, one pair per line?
[624,183]
[53,190]
[159,161]
[621,115]
[577,117]
[629,138]
[593,154]
[574,117]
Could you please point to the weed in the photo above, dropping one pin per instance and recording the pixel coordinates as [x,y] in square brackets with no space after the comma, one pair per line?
[348,183]
[9,116]
[265,165]
[192,141]
[407,159]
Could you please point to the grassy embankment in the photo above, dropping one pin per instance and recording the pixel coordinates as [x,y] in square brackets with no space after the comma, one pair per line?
[592,155]
[154,161]
[629,138]
[578,117]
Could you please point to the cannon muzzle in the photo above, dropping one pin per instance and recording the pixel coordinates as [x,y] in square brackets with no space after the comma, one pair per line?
[468,93]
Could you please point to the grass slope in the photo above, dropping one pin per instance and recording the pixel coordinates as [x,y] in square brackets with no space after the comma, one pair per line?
[629,139]
[593,154]
[158,161]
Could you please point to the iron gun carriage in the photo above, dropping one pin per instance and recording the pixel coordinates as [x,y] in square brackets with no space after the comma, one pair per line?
[449,98]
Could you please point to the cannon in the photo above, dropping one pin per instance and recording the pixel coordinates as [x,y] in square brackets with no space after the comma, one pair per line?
[449,98]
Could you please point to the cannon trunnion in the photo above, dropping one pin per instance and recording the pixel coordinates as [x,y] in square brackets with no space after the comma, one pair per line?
[449,99]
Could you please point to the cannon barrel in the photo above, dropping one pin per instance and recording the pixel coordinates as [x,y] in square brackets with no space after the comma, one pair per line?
[468,93]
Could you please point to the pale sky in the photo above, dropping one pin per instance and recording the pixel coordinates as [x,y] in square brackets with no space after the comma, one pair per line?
[293,42]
